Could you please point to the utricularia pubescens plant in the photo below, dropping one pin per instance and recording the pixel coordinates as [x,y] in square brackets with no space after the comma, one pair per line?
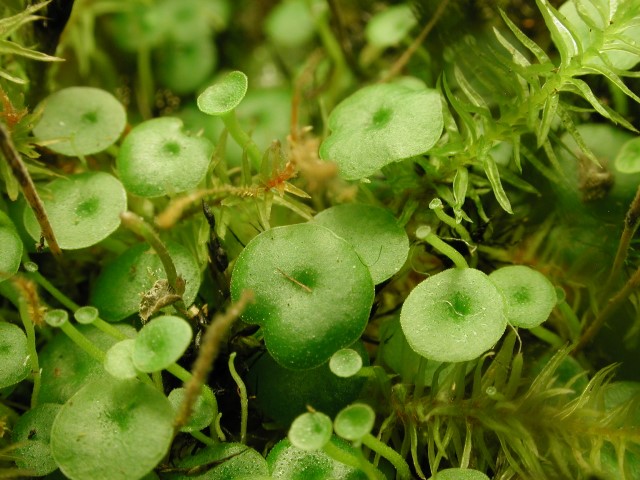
[307,239]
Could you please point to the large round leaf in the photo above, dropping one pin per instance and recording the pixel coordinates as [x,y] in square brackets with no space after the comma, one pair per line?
[14,355]
[230,461]
[312,292]
[32,433]
[111,430]
[161,342]
[453,316]
[11,251]
[83,209]
[373,232]
[382,124]
[80,121]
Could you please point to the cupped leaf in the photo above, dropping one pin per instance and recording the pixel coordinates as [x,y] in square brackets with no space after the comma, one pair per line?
[287,462]
[310,431]
[529,295]
[32,431]
[14,355]
[83,209]
[118,288]
[382,124]
[80,121]
[224,95]
[459,474]
[112,429]
[66,367]
[157,157]
[56,317]
[354,421]
[628,158]
[345,363]
[11,251]
[203,410]
[453,316]
[86,314]
[118,360]
[283,394]
[161,342]
[313,293]
[230,461]
[373,232]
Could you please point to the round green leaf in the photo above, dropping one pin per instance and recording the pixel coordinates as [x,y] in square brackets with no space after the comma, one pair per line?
[391,26]
[139,26]
[118,361]
[83,209]
[32,432]
[453,316]
[290,24]
[312,292]
[66,367]
[118,288]
[224,95]
[14,355]
[231,461]
[310,431]
[345,363]
[283,394]
[529,295]
[158,157]
[11,251]
[628,158]
[354,421]
[184,66]
[287,462]
[86,314]
[373,232]
[161,342]
[459,474]
[111,430]
[382,124]
[80,121]
[203,411]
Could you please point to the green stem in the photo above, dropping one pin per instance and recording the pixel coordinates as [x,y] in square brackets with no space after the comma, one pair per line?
[244,401]
[547,336]
[242,138]
[31,349]
[145,82]
[81,341]
[424,233]
[438,209]
[399,463]
[201,437]
[351,460]
[179,372]
[573,323]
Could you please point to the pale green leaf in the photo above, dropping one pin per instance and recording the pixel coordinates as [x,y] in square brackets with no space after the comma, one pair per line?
[548,114]
[12,48]
[526,41]
[491,170]
[565,40]
[611,75]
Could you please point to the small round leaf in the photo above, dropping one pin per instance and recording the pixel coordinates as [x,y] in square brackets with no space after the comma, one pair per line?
[355,421]
[382,124]
[32,432]
[112,430]
[391,26]
[345,363]
[224,95]
[373,232]
[203,410]
[118,361]
[161,342]
[83,209]
[158,157]
[56,317]
[453,316]
[529,295]
[628,158]
[11,251]
[310,431]
[86,314]
[80,121]
[313,293]
[14,355]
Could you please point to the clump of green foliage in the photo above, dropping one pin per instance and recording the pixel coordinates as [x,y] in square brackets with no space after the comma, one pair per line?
[312,239]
